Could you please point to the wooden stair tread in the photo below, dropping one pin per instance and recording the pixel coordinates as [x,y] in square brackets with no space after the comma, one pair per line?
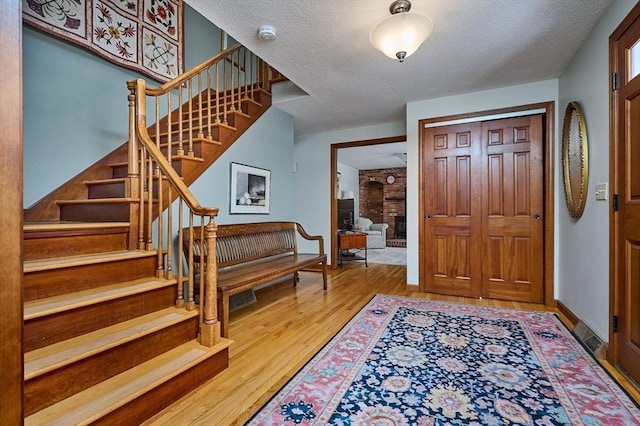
[211,109]
[196,117]
[187,157]
[186,129]
[185,143]
[98,201]
[48,358]
[194,139]
[42,307]
[86,259]
[250,100]
[105,181]
[93,403]
[196,127]
[173,157]
[53,226]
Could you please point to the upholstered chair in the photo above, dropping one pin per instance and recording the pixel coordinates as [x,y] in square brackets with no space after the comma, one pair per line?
[376,232]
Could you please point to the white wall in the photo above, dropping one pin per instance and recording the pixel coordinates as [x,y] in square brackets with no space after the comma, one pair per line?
[312,194]
[583,255]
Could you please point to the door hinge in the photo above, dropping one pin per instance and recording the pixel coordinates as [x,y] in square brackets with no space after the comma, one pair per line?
[615,81]
[615,324]
[615,202]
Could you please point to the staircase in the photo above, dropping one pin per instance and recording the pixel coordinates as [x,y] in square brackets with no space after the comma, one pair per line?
[110,336]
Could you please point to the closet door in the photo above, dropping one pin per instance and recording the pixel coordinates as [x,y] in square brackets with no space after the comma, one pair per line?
[483,199]
[512,261]
[452,239]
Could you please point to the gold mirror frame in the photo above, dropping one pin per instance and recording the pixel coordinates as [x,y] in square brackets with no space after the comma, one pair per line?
[575,159]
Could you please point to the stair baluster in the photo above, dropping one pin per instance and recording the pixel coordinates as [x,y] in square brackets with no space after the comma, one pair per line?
[203,110]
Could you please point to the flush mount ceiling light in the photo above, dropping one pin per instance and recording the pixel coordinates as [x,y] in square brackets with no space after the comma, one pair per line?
[400,35]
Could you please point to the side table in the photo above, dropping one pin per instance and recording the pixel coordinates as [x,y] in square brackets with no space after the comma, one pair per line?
[352,240]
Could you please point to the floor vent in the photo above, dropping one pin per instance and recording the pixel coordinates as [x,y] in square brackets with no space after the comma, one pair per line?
[590,340]
[241,300]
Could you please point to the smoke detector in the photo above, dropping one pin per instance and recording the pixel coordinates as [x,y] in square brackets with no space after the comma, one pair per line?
[267,32]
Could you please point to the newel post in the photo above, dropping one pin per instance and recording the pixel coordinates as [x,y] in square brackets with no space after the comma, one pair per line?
[210,326]
[133,172]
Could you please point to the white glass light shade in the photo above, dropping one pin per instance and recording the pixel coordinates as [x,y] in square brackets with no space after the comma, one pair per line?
[402,32]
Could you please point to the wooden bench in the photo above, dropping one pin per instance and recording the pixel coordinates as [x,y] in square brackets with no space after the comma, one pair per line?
[251,254]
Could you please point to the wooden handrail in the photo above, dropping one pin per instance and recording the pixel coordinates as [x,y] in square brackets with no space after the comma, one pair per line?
[187,75]
[167,169]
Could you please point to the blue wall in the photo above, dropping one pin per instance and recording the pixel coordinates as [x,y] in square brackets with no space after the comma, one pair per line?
[268,144]
[75,111]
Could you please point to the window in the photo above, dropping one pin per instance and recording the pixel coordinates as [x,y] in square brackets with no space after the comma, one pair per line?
[634,60]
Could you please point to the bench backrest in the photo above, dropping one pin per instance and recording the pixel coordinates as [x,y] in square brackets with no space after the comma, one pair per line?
[239,243]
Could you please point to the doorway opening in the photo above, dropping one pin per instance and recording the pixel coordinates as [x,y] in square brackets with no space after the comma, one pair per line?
[368,190]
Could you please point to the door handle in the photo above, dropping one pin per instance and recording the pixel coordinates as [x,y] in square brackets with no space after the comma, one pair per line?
[536,216]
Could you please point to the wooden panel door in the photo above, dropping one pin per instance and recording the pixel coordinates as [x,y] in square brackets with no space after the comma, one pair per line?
[451,193]
[625,231]
[512,260]
[483,199]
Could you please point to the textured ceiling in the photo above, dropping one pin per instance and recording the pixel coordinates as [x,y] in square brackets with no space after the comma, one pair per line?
[380,156]
[323,47]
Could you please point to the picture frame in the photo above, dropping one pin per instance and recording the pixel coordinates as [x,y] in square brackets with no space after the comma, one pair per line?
[249,190]
[338,185]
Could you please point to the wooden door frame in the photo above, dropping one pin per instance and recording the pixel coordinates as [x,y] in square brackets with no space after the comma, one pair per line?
[334,197]
[11,168]
[548,186]
[614,185]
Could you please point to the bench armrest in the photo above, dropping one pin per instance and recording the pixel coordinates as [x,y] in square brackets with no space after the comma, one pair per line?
[306,236]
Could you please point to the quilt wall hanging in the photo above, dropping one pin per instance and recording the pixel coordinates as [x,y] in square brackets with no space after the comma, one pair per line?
[143,35]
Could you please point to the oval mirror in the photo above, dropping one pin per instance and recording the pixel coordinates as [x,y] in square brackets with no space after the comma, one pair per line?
[575,159]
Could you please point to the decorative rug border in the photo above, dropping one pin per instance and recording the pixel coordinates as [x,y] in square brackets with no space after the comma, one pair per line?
[595,360]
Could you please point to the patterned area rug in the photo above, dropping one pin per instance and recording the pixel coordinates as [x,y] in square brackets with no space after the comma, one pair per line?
[405,361]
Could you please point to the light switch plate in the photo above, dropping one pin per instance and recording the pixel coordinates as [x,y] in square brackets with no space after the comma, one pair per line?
[601,191]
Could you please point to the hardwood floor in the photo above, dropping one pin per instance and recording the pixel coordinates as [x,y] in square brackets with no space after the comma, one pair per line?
[276,336]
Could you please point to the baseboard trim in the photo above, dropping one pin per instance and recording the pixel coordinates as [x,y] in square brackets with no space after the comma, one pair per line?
[573,318]
[413,287]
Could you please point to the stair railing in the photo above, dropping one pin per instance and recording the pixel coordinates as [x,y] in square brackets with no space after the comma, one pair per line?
[192,107]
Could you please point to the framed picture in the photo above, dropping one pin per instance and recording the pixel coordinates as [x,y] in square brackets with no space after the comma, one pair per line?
[250,190]
[338,185]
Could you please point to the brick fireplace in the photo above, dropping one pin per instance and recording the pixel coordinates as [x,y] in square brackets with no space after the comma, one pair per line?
[390,205]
